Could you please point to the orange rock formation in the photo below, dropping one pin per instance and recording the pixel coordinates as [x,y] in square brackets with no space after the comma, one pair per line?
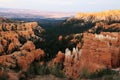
[13,52]
[98,51]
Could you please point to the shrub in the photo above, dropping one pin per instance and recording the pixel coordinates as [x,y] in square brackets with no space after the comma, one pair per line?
[3,78]
[41,69]
[84,73]
[56,70]
[30,72]
[37,69]
[103,72]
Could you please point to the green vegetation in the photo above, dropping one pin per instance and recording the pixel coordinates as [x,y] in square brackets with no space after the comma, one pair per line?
[41,69]
[3,78]
[103,74]
[37,69]
[57,70]
[84,73]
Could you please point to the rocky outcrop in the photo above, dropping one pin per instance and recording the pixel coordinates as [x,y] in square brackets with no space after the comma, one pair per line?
[102,26]
[20,59]
[13,35]
[108,21]
[72,62]
[97,43]
[17,49]
[98,51]
[59,58]
[94,52]
[106,16]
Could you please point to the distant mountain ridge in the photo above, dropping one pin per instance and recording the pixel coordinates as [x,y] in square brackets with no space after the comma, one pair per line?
[110,15]
[26,13]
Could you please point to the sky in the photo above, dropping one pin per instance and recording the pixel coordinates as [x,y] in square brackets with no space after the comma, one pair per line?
[62,5]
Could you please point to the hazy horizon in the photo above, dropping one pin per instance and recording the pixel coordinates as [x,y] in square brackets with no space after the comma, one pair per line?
[61,5]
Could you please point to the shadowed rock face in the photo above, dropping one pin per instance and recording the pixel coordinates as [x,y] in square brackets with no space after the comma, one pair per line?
[17,47]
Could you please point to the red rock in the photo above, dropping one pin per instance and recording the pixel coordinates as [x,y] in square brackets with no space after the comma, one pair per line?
[96,53]
[13,76]
[38,53]
[30,57]
[28,46]
[22,62]
[10,34]
[79,45]
[1,48]
[59,58]
[60,37]
[11,47]
[3,42]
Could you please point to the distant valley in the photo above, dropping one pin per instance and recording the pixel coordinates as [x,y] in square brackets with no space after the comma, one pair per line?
[26,13]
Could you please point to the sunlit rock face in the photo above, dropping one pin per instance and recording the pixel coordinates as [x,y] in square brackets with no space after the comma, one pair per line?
[72,61]
[96,22]
[95,52]
[59,59]
[28,46]
[98,51]
[14,34]
[20,59]
[17,49]
[112,27]
[107,16]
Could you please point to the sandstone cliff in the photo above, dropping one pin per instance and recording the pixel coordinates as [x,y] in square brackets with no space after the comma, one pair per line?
[17,49]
